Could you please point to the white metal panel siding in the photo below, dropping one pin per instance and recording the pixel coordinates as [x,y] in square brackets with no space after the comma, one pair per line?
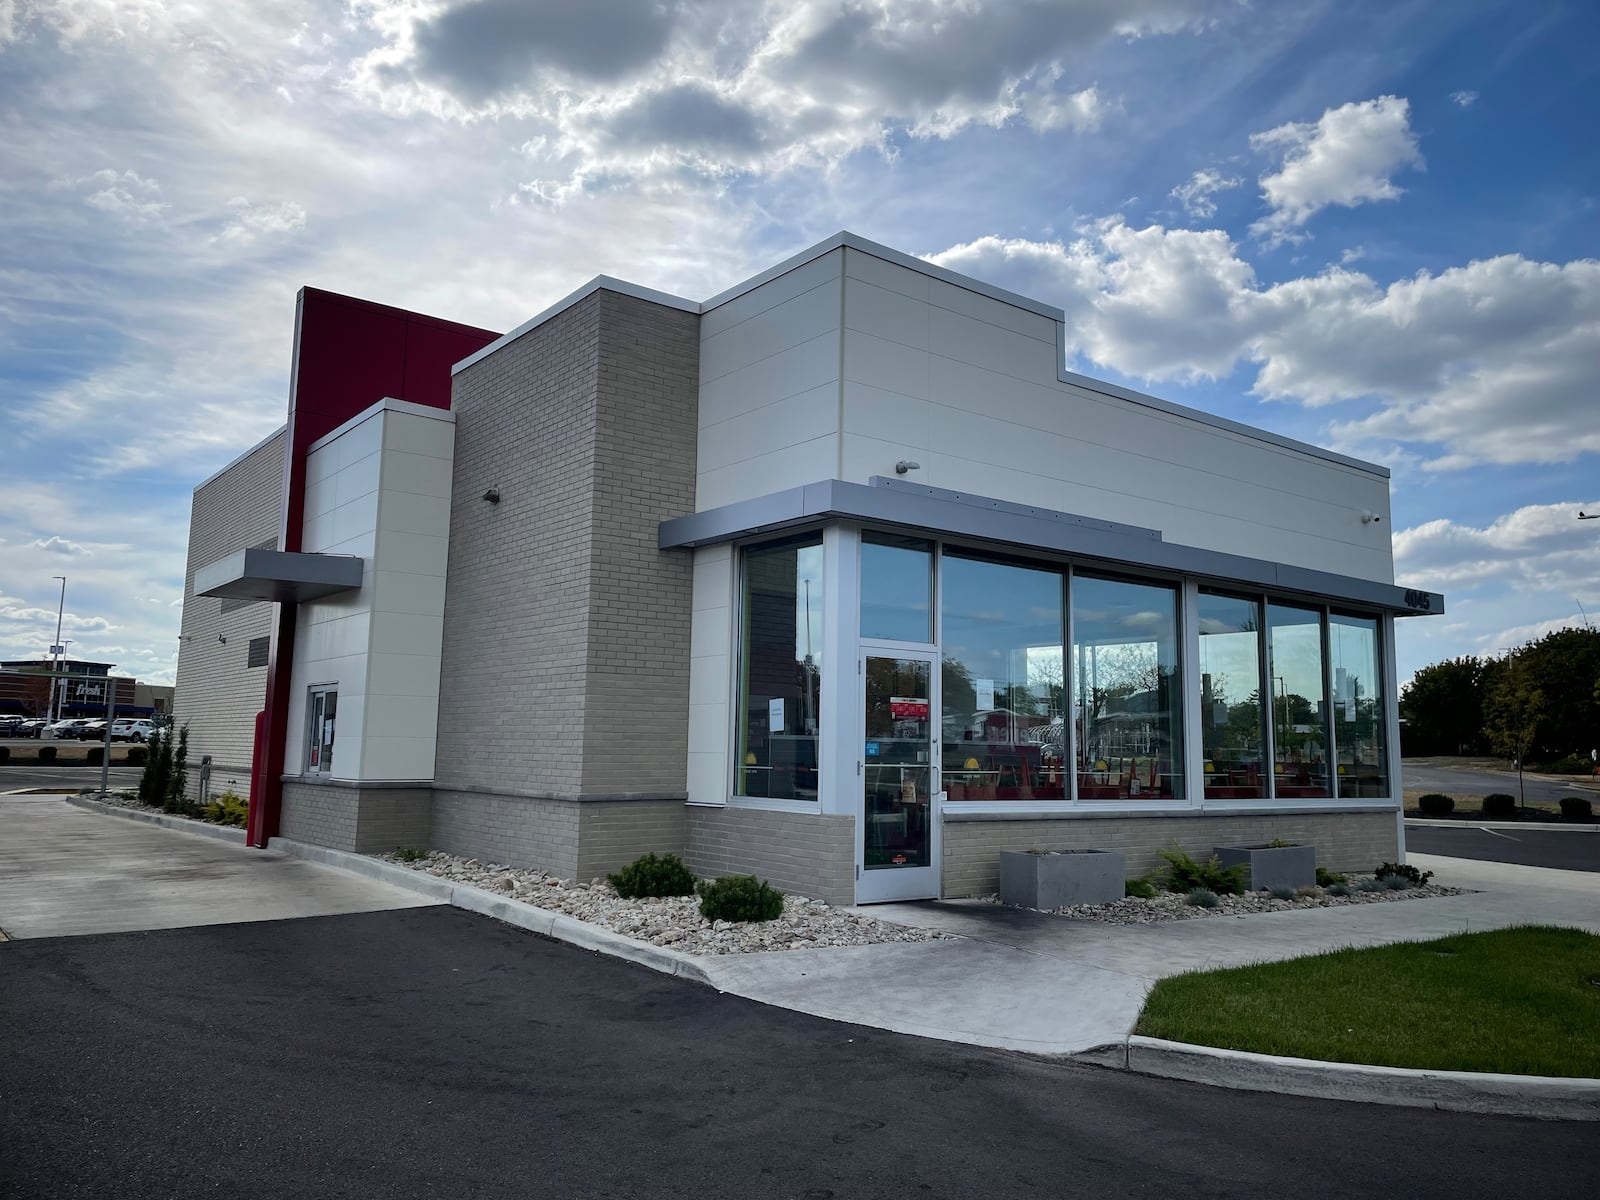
[217,695]
[711,681]
[969,387]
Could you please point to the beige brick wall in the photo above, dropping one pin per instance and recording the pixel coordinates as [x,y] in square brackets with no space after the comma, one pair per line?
[518,831]
[566,632]
[217,695]
[346,816]
[804,853]
[1351,841]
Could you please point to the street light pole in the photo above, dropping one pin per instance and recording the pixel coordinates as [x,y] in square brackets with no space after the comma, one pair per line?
[55,650]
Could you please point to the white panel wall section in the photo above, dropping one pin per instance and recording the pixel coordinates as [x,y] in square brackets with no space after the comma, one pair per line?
[769,386]
[378,488]
[968,386]
[712,687]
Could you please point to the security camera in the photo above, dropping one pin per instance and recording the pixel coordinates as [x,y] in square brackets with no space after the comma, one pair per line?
[1370,518]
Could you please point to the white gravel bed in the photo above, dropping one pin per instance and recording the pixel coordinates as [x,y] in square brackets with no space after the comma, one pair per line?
[1173,906]
[671,921]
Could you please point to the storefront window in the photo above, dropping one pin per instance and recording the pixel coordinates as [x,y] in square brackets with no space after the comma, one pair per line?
[1358,721]
[1232,723]
[1299,707]
[780,686]
[896,588]
[1003,682]
[322,712]
[1127,690]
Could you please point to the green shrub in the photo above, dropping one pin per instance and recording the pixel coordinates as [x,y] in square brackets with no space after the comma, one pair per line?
[177,797]
[739,898]
[1577,808]
[137,756]
[1184,874]
[47,754]
[1499,804]
[652,876]
[1141,888]
[1372,885]
[1338,889]
[1570,765]
[1283,893]
[409,854]
[153,780]
[1327,878]
[1395,883]
[96,756]
[1412,876]
[1436,804]
[1201,898]
[5,754]
[230,808]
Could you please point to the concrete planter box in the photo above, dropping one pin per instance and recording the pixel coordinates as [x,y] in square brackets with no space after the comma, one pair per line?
[1272,866]
[1061,878]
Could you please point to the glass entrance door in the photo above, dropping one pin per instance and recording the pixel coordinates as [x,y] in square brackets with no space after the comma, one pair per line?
[899,821]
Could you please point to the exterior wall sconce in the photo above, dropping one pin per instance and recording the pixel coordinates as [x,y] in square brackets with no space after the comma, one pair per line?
[901,467]
[492,495]
[222,639]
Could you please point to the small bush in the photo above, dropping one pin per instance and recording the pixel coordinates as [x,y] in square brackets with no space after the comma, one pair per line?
[1338,889]
[1436,804]
[5,754]
[137,756]
[1412,876]
[1499,804]
[1142,889]
[1184,874]
[1305,893]
[1280,844]
[1395,883]
[96,756]
[1327,878]
[1576,808]
[1201,898]
[1372,885]
[652,876]
[1283,893]
[47,754]
[230,808]
[409,854]
[1570,765]
[739,898]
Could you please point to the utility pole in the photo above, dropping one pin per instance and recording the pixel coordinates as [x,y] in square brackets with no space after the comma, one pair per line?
[55,651]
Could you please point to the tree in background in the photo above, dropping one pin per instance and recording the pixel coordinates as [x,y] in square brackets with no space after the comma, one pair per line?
[1513,708]
[1560,666]
[1442,708]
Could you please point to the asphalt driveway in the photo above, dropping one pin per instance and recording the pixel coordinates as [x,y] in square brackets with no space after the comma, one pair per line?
[1529,846]
[430,1053]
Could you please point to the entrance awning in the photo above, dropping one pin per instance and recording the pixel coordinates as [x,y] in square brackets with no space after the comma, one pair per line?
[288,577]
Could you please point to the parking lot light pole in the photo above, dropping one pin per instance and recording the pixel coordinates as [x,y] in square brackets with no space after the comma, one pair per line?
[55,651]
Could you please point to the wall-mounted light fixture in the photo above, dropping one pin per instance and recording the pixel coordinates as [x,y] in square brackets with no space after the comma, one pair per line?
[904,465]
[222,639]
[1370,518]
[492,495]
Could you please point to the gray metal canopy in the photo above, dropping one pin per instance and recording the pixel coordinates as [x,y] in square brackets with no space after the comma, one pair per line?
[288,577]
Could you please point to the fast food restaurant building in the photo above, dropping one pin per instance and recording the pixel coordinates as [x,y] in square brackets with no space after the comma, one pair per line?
[838,578]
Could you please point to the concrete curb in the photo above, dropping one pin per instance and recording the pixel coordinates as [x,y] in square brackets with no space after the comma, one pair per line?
[1540,1096]
[223,833]
[1532,826]
[502,908]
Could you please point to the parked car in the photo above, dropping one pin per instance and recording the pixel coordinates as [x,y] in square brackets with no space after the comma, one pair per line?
[92,730]
[132,729]
[10,723]
[32,727]
[67,727]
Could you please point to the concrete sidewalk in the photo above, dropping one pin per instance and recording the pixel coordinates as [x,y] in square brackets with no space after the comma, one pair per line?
[66,871]
[1021,980]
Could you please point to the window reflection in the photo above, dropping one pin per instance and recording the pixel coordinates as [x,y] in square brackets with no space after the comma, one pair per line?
[1127,698]
[1299,708]
[1231,718]
[1358,706]
[780,693]
[896,588]
[1003,685]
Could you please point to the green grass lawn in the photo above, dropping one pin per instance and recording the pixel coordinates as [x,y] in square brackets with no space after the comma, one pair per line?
[1523,1001]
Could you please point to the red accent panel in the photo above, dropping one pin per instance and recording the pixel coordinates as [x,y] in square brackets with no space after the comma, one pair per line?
[348,355]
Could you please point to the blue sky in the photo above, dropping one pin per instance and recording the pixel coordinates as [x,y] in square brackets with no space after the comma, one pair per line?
[1371,226]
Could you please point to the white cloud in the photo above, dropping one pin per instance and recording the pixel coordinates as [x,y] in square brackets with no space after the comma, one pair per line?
[1196,195]
[61,545]
[121,194]
[250,221]
[1346,157]
[1464,99]
[1495,361]
[1537,548]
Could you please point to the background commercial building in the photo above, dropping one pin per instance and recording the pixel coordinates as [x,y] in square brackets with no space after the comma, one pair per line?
[838,577]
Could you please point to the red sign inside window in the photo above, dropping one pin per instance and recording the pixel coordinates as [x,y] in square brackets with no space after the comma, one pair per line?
[908,708]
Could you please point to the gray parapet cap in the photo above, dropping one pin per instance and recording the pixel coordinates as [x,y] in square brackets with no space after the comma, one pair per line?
[1023,527]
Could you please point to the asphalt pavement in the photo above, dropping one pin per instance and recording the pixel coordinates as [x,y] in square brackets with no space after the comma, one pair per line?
[16,777]
[1529,846]
[1545,789]
[428,1052]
